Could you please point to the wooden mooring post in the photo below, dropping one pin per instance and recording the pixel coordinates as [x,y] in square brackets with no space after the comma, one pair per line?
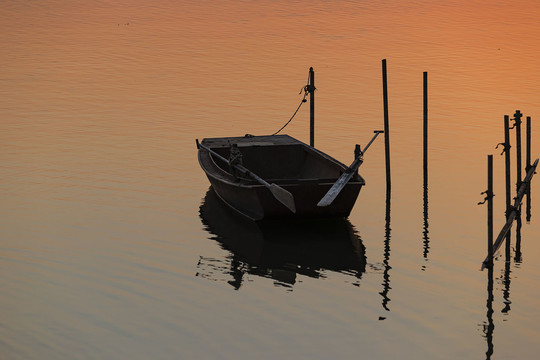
[507,170]
[386,126]
[425,167]
[517,125]
[506,151]
[311,89]
[489,199]
[425,128]
[528,166]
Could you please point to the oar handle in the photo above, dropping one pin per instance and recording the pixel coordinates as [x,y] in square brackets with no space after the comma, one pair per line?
[242,169]
[377,132]
[358,160]
[199,145]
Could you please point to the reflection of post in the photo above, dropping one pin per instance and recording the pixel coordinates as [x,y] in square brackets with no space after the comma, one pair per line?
[506,291]
[386,261]
[490,326]
[517,257]
[507,271]
[426,223]
[236,272]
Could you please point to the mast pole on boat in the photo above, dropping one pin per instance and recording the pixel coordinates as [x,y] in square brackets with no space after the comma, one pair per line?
[311,89]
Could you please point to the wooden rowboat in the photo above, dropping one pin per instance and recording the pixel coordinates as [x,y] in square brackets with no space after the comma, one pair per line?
[286,164]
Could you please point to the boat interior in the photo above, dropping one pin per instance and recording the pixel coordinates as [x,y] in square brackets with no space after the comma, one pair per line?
[285,163]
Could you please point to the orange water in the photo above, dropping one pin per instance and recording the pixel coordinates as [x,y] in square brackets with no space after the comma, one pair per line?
[104,254]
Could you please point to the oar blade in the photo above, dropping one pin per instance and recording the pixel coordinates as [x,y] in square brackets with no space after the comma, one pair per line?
[283,196]
[335,189]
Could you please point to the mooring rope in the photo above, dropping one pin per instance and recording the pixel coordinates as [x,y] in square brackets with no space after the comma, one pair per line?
[305,89]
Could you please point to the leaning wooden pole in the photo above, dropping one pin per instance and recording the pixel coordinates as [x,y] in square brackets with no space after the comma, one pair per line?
[311,107]
[516,208]
[386,127]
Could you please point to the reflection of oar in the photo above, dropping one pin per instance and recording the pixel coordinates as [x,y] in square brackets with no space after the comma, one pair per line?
[346,176]
[282,195]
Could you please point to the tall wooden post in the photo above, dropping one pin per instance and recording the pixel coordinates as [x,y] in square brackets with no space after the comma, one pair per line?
[386,275]
[489,197]
[386,127]
[507,162]
[507,173]
[425,129]
[517,119]
[528,144]
[528,166]
[311,107]
[425,143]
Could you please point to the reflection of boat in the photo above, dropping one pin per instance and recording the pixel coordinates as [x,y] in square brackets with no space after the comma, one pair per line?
[279,249]
[302,170]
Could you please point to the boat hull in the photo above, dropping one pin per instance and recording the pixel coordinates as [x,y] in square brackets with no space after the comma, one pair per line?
[256,202]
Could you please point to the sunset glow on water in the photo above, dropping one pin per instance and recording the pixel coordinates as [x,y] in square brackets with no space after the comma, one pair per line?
[113,246]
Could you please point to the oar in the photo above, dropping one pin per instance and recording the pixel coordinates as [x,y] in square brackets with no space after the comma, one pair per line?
[282,195]
[346,176]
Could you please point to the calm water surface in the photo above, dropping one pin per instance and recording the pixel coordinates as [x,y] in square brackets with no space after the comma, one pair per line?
[112,245]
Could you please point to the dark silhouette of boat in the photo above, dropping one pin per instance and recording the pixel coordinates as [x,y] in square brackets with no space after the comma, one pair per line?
[287,166]
[278,249]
